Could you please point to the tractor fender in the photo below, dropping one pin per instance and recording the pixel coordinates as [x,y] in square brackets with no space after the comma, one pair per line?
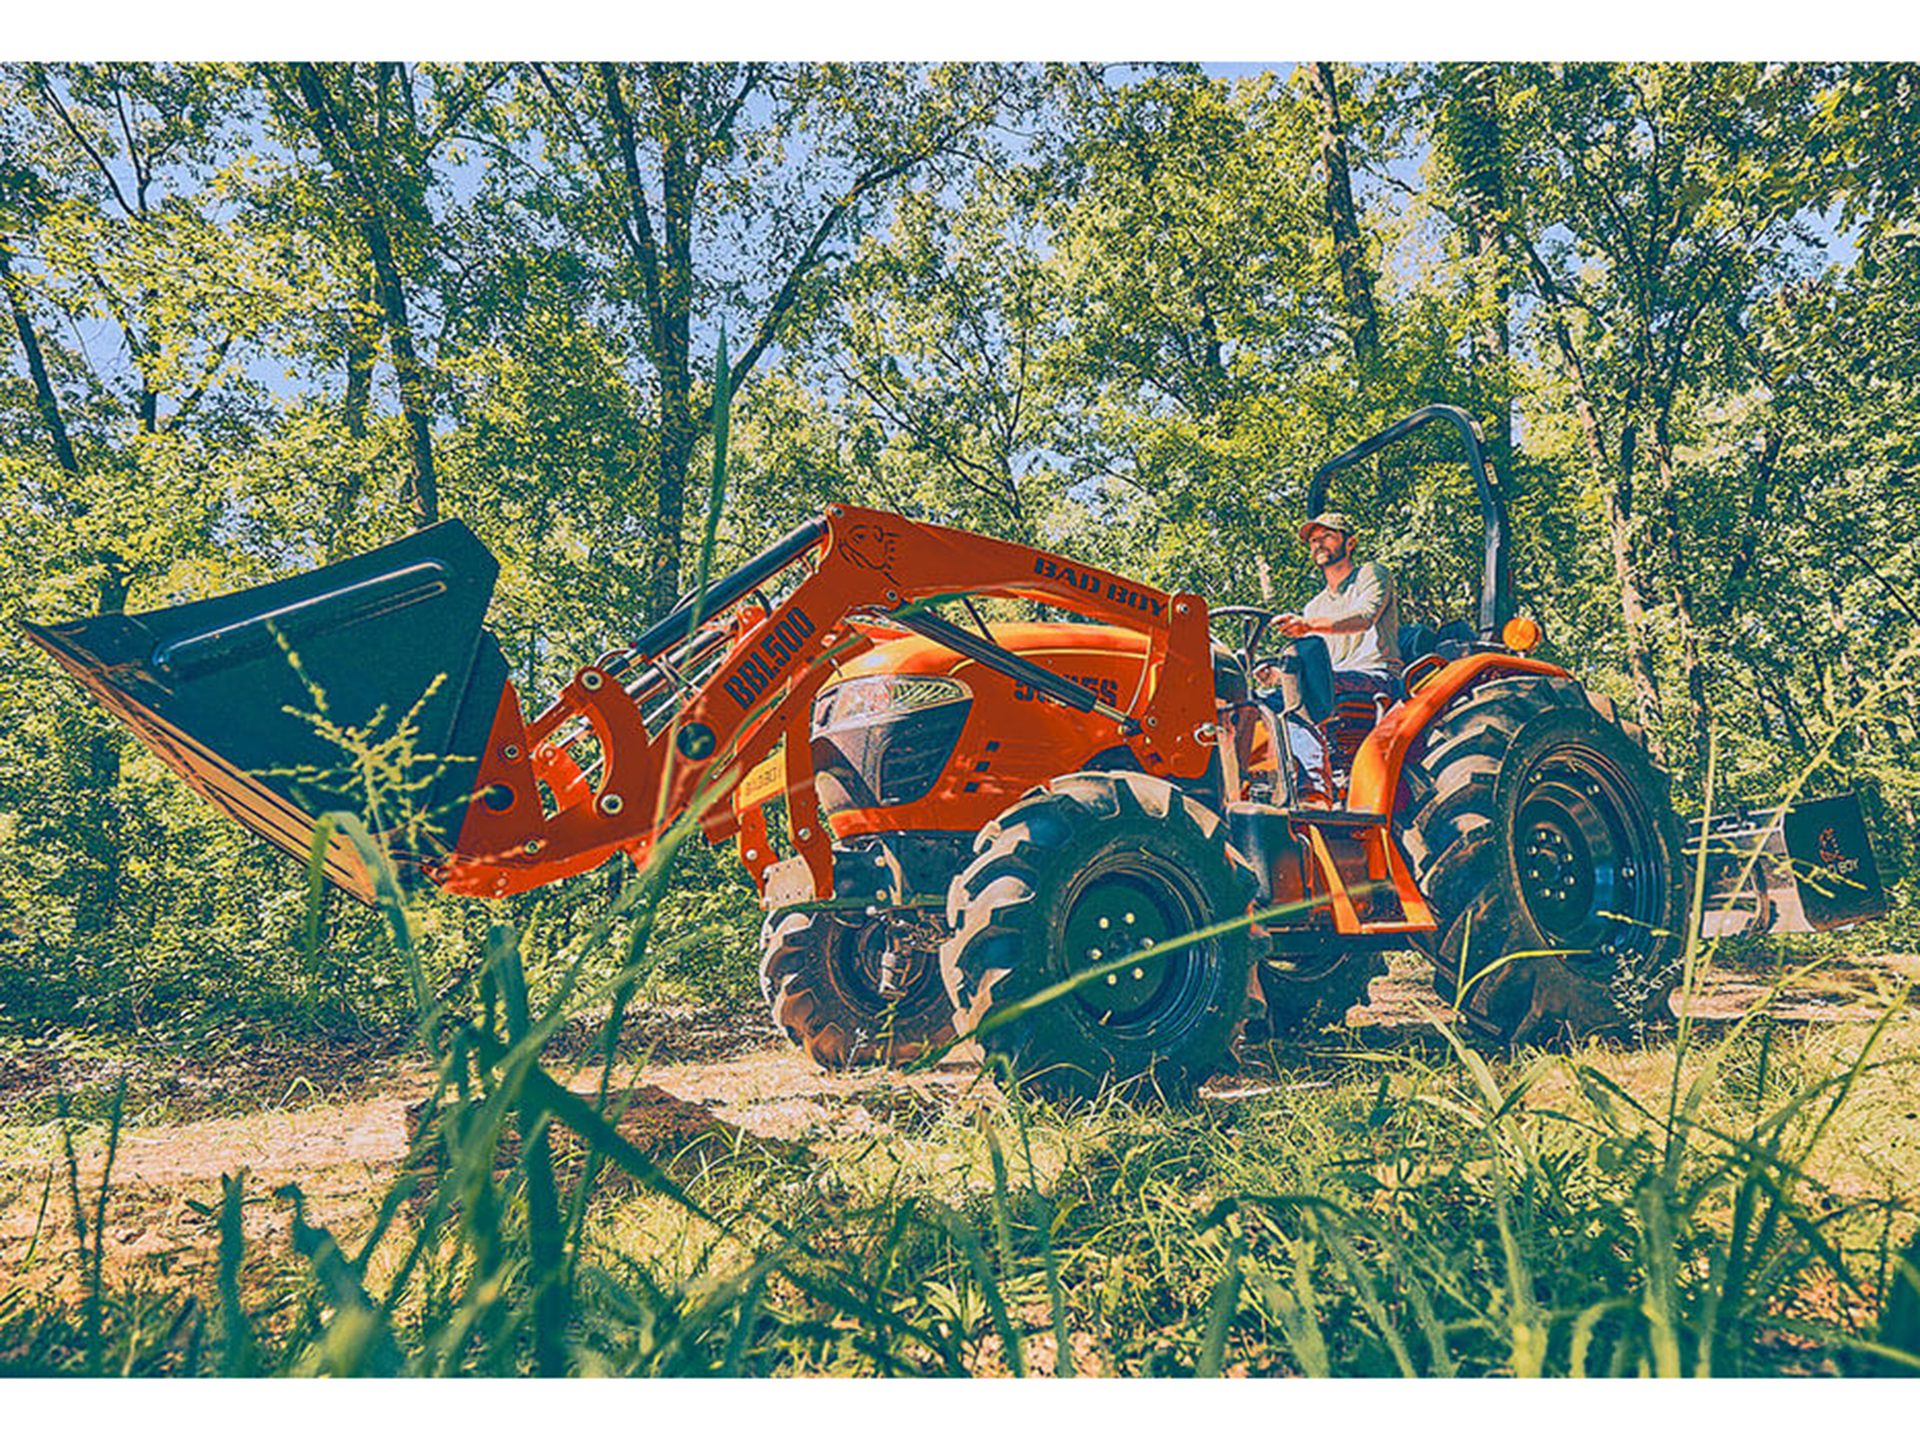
[1376,769]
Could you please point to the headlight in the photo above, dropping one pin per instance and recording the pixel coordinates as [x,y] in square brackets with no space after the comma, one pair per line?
[1520,633]
[883,697]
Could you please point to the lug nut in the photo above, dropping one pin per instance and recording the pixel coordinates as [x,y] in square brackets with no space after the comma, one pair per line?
[1138,973]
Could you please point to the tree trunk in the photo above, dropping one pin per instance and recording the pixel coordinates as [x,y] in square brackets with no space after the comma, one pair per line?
[1343,222]
[43,392]
[340,144]
[1699,716]
[1616,484]
[363,345]
[1478,153]
[423,495]
[678,431]
[1618,487]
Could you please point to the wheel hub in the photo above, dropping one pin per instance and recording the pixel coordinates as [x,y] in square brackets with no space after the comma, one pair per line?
[884,969]
[1584,851]
[1120,912]
[1559,874]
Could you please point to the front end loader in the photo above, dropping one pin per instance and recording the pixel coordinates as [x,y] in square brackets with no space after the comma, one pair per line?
[1082,840]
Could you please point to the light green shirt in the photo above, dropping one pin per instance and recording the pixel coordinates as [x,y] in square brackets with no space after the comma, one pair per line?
[1367,591]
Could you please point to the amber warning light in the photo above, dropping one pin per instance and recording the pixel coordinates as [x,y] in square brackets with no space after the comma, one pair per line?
[1520,634]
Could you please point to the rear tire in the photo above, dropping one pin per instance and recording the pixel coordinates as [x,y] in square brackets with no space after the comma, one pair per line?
[1083,872]
[1543,825]
[822,976]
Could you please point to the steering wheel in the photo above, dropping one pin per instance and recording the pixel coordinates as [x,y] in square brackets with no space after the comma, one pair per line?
[1255,621]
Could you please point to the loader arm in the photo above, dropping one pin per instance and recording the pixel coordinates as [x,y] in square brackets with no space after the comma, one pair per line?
[874,573]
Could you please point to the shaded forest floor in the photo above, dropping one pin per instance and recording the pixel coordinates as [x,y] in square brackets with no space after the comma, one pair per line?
[333,1118]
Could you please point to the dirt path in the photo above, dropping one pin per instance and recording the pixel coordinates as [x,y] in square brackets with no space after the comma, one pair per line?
[344,1155]
[343,1150]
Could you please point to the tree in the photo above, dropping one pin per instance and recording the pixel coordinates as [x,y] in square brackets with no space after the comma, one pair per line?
[131,300]
[1649,206]
[367,124]
[1343,221]
[944,328]
[730,191]
[1197,314]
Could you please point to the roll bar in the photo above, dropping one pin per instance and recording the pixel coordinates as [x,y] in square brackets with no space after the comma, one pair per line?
[1496,584]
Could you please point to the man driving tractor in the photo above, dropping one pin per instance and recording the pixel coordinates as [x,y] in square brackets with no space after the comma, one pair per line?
[1352,628]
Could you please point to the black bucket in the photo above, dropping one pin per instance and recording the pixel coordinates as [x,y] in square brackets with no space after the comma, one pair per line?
[214,690]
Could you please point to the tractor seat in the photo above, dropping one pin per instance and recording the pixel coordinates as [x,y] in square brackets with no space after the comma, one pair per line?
[1424,650]
[1353,719]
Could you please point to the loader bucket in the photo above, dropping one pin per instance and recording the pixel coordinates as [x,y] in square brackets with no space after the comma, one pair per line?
[1808,868]
[225,691]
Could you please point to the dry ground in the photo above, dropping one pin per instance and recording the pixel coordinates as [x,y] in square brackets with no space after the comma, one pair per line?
[335,1124]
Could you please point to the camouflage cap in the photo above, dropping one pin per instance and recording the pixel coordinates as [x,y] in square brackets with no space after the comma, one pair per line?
[1328,520]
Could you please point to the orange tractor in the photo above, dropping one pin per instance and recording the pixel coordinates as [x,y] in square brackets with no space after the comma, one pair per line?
[1082,841]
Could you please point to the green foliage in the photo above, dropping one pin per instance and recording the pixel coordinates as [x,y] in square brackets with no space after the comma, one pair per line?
[1098,309]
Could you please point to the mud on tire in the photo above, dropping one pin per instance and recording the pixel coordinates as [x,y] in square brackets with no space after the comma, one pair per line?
[821,975]
[1543,835]
[1083,872]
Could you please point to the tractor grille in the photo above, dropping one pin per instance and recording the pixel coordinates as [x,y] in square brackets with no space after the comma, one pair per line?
[885,740]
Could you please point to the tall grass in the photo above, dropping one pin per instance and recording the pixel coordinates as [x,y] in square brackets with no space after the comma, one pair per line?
[1427,1210]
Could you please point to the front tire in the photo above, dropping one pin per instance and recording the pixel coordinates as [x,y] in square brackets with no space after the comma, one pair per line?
[1310,993]
[1546,843]
[1085,872]
[832,987]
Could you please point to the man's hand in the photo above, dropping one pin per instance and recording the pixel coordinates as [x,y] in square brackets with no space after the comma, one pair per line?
[1294,626]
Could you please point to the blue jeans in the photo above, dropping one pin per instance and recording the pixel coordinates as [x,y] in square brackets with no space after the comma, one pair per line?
[1305,741]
